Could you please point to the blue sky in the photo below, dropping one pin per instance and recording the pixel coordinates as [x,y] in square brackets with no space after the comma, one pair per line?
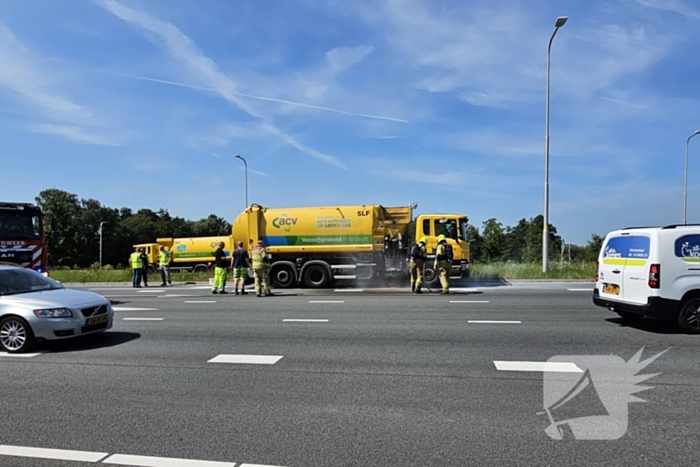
[143,104]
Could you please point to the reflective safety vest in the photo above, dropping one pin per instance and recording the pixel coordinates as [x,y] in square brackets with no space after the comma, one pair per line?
[163,258]
[258,254]
[136,260]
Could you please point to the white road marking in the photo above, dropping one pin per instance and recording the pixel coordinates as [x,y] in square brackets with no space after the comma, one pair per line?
[581,290]
[200,301]
[462,289]
[348,290]
[494,322]
[144,319]
[151,291]
[55,454]
[469,301]
[555,367]
[247,359]
[20,355]
[326,301]
[126,308]
[305,320]
[145,461]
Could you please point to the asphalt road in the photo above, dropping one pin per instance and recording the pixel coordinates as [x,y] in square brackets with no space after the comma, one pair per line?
[378,380]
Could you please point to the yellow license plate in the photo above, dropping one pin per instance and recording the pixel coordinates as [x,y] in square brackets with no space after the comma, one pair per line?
[98,320]
[611,289]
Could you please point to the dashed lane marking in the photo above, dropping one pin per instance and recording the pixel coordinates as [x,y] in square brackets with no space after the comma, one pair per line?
[493,322]
[54,454]
[246,359]
[144,319]
[348,290]
[145,461]
[464,289]
[326,301]
[152,291]
[469,301]
[126,308]
[20,355]
[305,320]
[554,367]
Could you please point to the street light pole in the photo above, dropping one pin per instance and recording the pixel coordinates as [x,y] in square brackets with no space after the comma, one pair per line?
[685,186]
[545,231]
[101,224]
[246,178]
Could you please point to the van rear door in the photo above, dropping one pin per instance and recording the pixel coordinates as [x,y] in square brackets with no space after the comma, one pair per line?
[611,267]
[636,272]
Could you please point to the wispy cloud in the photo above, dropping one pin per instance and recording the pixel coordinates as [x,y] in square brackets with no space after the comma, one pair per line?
[673,6]
[268,99]
[21,73]
[182,48]
[72,133]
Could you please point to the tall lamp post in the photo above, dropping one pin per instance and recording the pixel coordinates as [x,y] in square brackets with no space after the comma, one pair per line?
[246,178]
[545,232]
[685,187]
[101,224]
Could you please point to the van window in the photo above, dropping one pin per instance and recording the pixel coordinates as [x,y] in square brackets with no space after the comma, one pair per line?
[626,247]
[688,248]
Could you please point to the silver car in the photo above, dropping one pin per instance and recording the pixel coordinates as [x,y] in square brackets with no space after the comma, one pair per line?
[35,309]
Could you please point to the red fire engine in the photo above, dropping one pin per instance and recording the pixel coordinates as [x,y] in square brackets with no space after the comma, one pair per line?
[22,236]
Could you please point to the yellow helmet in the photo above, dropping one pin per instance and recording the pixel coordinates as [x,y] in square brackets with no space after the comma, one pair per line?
[423,240]
[440,238]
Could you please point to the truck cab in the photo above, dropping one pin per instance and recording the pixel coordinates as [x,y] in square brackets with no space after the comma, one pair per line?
[151,250]
[454,228]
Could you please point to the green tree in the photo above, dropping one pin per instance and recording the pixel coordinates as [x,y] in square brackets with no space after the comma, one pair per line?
[65,207]
[492,245]
[475,243]
[212,226]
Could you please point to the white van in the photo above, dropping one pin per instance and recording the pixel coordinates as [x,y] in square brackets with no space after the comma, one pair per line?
[651,271]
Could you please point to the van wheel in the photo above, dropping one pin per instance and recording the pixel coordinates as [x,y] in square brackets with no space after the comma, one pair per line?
[629,316]
[689,316]
[316,276]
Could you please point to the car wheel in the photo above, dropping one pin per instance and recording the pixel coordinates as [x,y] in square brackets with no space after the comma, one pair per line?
[15,335]
[689,316]
[316,276]
[629,316]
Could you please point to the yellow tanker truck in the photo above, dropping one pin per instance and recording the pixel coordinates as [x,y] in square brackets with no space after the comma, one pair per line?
[188,254]
[317,246]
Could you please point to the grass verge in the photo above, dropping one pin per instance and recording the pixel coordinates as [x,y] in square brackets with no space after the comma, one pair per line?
[496,271]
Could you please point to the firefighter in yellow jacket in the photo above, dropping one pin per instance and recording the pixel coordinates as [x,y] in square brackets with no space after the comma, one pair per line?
[261,269]
[418,256]
[442,264]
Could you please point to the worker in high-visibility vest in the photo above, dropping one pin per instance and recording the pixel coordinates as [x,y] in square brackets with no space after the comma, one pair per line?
[219,270]
[261,269]
[164,265]
[137,267]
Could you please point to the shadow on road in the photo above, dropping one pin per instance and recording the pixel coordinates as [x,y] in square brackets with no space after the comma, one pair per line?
[92,342]
[652,325]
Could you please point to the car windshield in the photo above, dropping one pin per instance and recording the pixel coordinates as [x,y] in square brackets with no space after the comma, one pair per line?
[19,280]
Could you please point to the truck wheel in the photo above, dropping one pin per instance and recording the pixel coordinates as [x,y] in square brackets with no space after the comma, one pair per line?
[316,276]
[282,276]
[689,316]
[201,268]
[430,277]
